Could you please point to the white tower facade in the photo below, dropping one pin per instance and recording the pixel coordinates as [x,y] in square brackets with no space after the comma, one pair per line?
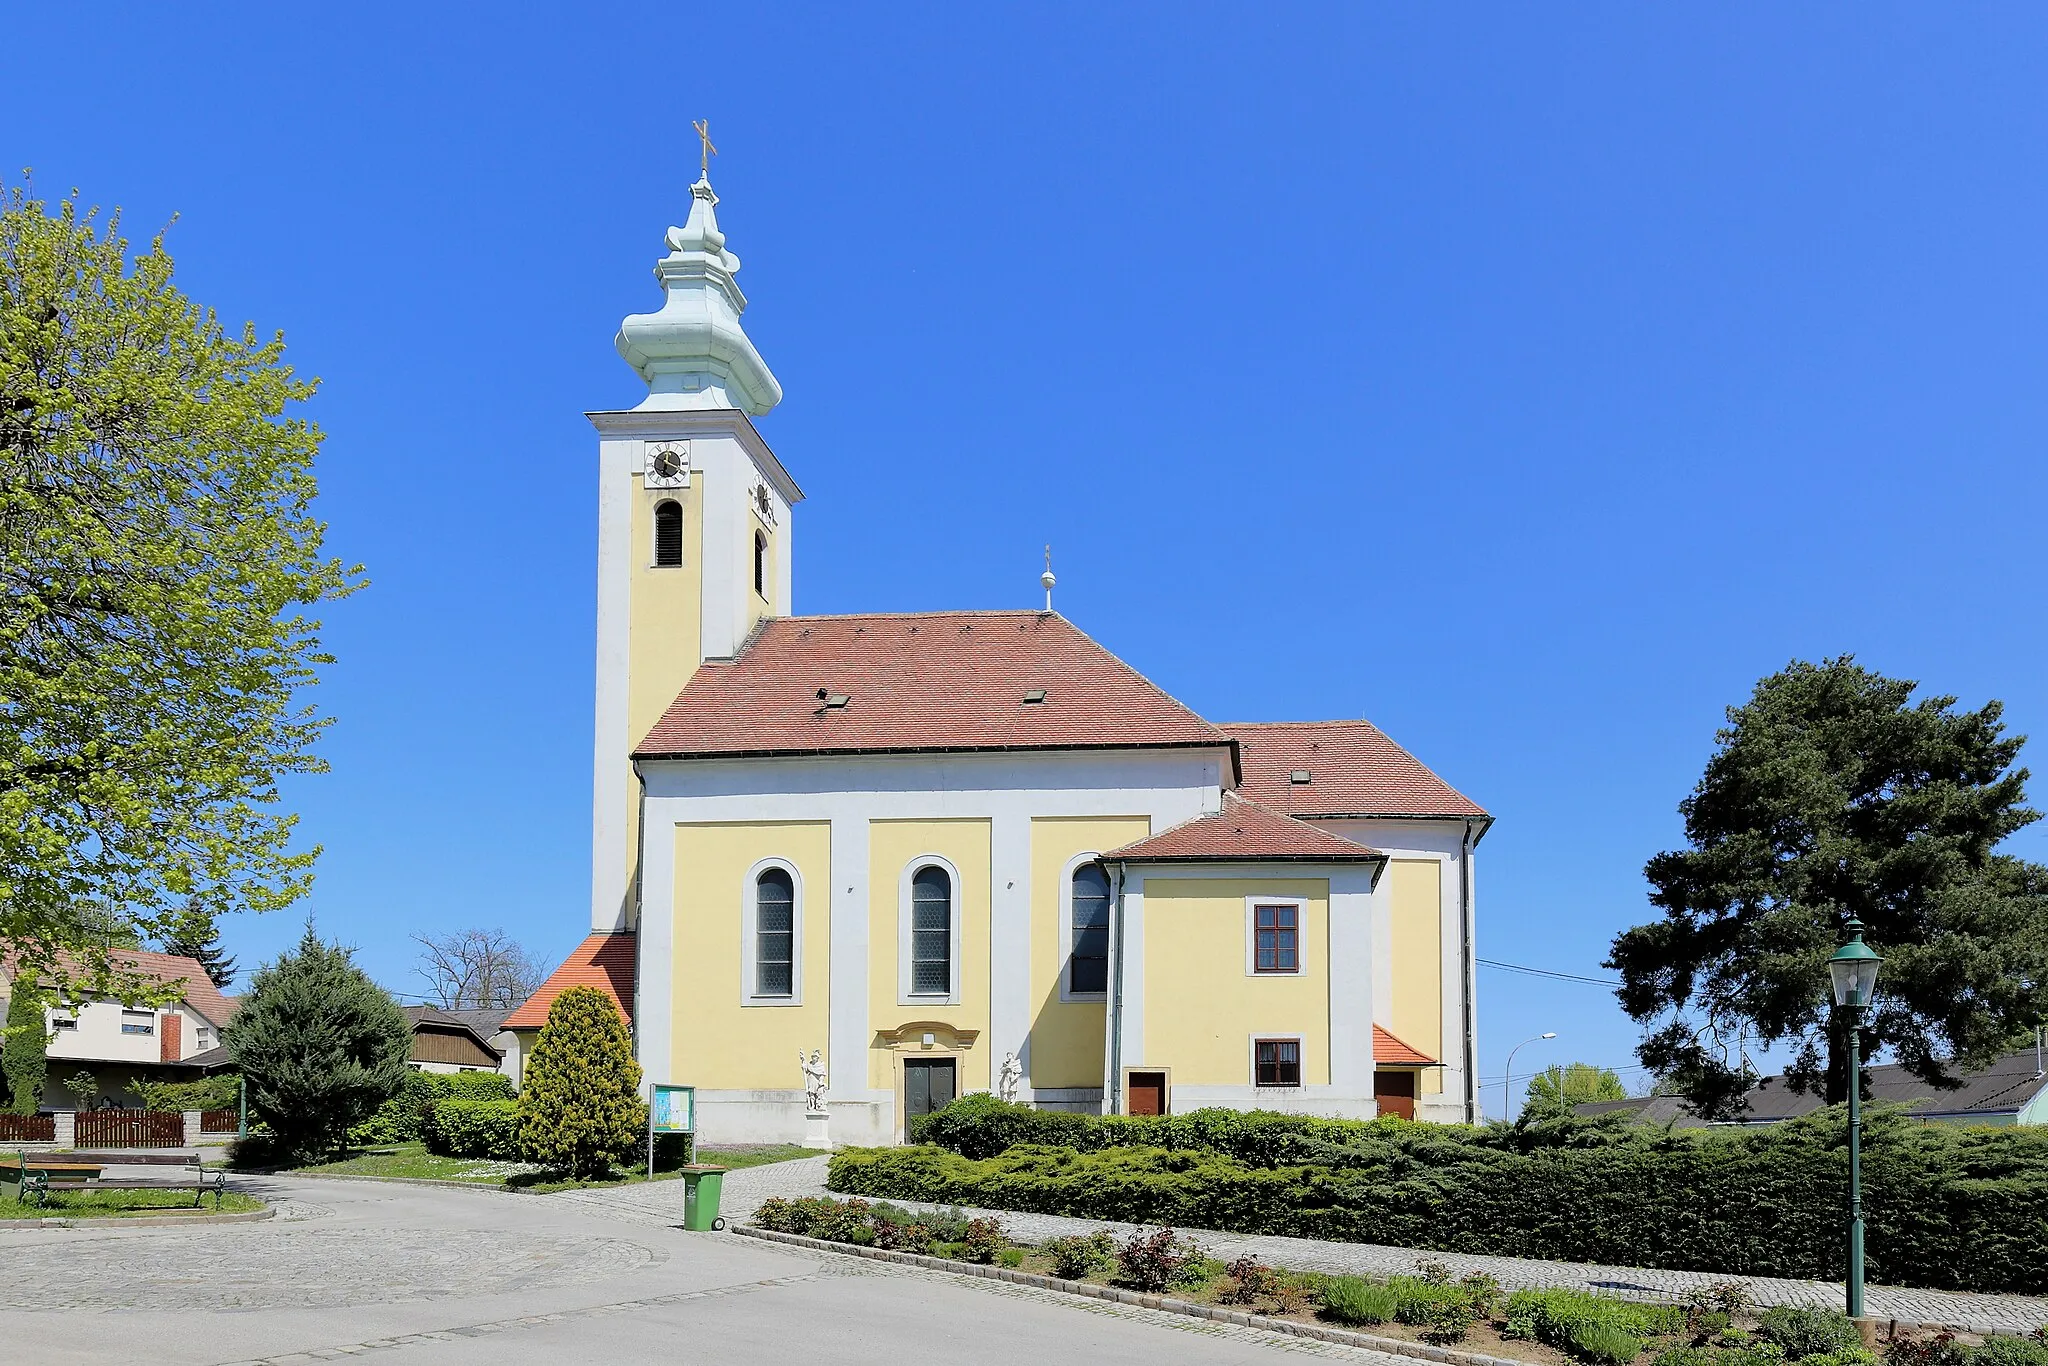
[693,526]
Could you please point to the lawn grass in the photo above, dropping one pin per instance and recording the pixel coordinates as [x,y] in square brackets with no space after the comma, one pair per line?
[734,1157]
[116,1204]
[413,1160]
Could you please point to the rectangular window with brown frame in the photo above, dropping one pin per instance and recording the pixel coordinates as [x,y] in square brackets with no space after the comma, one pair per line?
[1276,939]
[1277,1062]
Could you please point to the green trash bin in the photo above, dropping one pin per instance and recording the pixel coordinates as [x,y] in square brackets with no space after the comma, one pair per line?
[701,1187]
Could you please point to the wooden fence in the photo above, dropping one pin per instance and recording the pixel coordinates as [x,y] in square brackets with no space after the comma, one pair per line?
[129,1129]
[220,1121]
[28,1128]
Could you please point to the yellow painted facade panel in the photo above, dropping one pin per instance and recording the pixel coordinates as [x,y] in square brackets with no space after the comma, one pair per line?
[718,1042]
[1418,968]
[664,607]
[893,846]
[1202,1008]
[1066,1036]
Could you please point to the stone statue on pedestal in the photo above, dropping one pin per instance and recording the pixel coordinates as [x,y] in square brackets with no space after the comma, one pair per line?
[1010,1077]
[814,1081]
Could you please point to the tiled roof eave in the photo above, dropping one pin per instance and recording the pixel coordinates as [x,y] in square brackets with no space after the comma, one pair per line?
[1364,856]
[854,751]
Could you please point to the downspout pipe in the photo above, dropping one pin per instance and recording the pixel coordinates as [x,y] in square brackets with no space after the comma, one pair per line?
[1115,1079]
[1469,967]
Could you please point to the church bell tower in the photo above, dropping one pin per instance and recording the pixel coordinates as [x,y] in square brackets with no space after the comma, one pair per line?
[693,523]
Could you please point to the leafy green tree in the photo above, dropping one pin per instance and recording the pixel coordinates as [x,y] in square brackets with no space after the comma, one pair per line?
[197,936]
[1555,1090]
[580,1108]
[157,552]
[320,1045]
[24,1055]
[1832,793]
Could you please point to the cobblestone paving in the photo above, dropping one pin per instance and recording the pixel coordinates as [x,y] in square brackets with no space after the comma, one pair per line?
[747,1188]
[301,1265]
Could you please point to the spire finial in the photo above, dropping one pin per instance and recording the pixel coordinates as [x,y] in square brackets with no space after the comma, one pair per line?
[1047,579]
[703,127]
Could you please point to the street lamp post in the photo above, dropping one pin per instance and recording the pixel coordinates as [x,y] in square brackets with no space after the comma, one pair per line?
[1507,1075]
[1854,970]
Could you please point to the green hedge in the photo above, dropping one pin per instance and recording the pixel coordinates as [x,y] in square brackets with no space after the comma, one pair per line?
[474,1128]
[1946,1207]
[403,1118]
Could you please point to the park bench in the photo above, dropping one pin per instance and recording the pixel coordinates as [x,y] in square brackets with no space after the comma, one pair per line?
[37,1174]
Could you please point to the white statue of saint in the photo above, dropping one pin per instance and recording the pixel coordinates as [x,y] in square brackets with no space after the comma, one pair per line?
[814,1081]
[1010,1078]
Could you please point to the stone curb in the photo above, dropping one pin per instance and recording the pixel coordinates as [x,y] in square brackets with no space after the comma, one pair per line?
[116,1221]
[1164,1303]
[484,1186]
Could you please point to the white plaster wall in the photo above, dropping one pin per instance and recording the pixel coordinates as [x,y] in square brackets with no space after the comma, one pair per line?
[99,1037]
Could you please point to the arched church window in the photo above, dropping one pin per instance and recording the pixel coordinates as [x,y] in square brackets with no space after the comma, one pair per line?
[1088,963]
[931,932]
[774,933]
[668,533]
[761,563]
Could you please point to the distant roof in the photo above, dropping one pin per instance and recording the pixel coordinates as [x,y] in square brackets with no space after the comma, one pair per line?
[1392,1052]
[1353,770]
[197,989]
[2003,1088]
[604,961]
[920,682]
[433,1017]
[1662,1111]
[484,1022]
[212,1060]
[1244,832]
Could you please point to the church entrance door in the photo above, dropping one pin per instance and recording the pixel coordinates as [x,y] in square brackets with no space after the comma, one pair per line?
[928,1083]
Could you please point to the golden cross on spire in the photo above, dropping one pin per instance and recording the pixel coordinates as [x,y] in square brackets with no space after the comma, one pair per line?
[703,127]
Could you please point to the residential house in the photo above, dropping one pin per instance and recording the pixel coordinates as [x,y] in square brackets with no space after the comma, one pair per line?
[124,1043]
[455,1040]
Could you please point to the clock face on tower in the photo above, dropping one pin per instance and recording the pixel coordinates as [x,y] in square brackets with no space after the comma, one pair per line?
[668,465]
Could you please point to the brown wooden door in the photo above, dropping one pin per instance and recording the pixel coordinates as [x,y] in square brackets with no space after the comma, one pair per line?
[1148,1093]
[1395,1092]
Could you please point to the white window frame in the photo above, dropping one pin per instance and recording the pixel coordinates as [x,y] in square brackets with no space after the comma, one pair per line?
[1251,1054]
[1067,994]
[904,995]
[1251,936]
[667,495]
[749,944]
[138,1029]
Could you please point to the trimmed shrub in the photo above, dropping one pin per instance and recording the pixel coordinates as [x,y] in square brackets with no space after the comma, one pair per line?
[1355,1300]
[23,1056]
[2005,1351]
[1951,1207]
[474,1128]
[217,1092]
[581,1109]
[402,1119]
[1807,1332]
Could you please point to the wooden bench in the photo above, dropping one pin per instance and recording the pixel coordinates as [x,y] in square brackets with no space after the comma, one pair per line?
[36,1176]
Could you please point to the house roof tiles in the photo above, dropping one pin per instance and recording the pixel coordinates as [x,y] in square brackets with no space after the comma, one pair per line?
[1244,832]
[1389,1051]
[195,987]
[602,960]
[1353,770]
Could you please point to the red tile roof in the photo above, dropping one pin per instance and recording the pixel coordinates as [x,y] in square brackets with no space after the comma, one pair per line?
[1389,1051]
[1244,832]
[921,682]
[1354,770]
[603,960]
[195,987]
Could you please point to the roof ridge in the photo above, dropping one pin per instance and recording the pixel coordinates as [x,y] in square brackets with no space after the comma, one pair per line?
[940,612]
[1132,670]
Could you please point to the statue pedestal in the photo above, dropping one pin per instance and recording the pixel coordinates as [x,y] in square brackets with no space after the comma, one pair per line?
[817,1126]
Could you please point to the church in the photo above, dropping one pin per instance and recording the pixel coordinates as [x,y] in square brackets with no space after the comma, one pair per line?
[950,852]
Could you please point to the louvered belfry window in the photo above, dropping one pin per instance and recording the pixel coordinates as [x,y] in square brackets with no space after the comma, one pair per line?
[1088,970]
[774,933]
[668,533]
[931,932]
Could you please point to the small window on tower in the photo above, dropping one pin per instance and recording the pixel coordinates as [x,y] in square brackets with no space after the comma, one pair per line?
[668,533]
[761,563]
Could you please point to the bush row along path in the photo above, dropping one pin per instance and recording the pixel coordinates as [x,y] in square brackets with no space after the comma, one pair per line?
[746,1189]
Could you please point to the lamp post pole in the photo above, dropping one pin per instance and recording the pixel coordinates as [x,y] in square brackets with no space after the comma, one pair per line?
[1854,973]
[1508,1073]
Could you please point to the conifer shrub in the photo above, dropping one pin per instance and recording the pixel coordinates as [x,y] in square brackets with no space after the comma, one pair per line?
[23,1057]
[581,1109]
[321,1046]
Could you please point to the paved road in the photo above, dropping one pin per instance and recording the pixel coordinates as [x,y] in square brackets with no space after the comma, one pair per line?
[423,1276]
[746,1188]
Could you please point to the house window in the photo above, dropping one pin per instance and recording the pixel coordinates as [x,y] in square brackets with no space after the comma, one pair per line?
[668,533]
[774,933]
[64,1022]
[931,932]
[1276,937]
[138,1022]
[1276,1062]
[761,563]
[1088,965]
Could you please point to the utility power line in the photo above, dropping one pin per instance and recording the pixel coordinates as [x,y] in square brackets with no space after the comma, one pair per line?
[1546,972]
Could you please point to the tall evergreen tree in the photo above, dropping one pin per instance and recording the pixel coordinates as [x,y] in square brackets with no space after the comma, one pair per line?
[580,1108]
[24,1056]
[196,935]
[1833,794]
[320,1045]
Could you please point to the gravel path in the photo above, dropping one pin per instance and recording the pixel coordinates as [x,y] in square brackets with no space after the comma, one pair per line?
[747,1188]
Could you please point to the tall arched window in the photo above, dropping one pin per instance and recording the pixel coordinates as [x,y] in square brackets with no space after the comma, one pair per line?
[761,563]
[1088,965]
[668,533]
[774,933]
[931,932]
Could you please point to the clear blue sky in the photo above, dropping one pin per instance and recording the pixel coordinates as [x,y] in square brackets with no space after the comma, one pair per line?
[1528,382]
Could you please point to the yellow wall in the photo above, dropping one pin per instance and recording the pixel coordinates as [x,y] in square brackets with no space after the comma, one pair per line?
[891,847]
[1418,1005]
[719,1043]
[1202,1008]
[664,607]
[1066,1037]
